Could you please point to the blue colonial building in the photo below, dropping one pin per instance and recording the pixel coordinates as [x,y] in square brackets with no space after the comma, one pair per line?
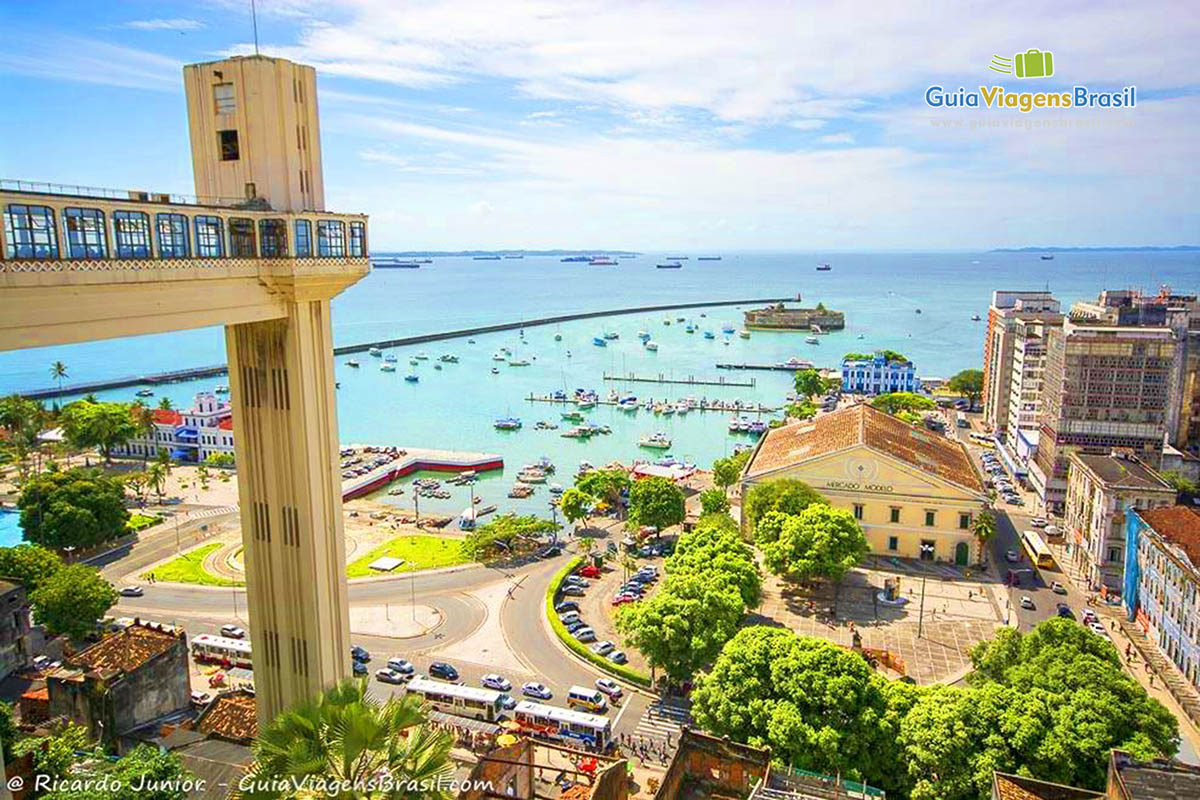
[879,375]
[1162,581]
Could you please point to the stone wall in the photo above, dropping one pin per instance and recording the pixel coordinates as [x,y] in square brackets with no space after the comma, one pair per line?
[718,763]
[779,316]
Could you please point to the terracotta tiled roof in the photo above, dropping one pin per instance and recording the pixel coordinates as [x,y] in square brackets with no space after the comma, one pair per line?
[579,792]
[167,416]
[1014,787]
[863,424]
[231,715]
[1179,525]
[226,424]
[124,651]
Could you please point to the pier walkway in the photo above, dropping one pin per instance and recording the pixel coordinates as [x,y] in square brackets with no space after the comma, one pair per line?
[193,373]
[734,406]
[690,380]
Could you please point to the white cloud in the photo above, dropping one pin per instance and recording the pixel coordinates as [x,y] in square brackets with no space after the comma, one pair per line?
[71,58]
[837,138]
[175,24]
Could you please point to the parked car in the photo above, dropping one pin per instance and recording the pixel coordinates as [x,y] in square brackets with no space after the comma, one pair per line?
[360,653]
[1098,629]
[1058,588]
[358,667]
[573,590]
[566,605]
[551,551]
[575,580]
[401,665]
[1038,522]
[590,571]
[233,632]
[538,690]
[440,669]
[200,699]
[623,597]
[1027,602]
[1089,616]
[617,657]
[1064,610]
[609,687]
[603,648]
[1011,556]
[508,702]
[391,676]
[574,625]
[132,591]
[585,634]
[495,681]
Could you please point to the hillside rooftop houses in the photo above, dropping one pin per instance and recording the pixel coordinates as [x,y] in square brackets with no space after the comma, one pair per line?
[879,375]
[915,493]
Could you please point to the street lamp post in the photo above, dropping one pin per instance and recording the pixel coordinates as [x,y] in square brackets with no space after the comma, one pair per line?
[921,614]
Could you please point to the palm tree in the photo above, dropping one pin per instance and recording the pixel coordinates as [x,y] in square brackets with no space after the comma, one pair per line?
[144,419]
[984,527]
[628,564]
[165,404]
[58,371]
[156,476]
[346,737]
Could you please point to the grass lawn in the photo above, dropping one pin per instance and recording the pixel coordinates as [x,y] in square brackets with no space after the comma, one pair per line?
[189,568]
[417,552]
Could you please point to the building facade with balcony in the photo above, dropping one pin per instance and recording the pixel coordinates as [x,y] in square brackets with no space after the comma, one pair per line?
[1162,582]
[1099,489]
[1008,309]
[189,436]
[14,627]
[879,375]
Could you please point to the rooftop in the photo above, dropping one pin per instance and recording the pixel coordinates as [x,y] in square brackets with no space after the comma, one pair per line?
[864,425]
[125,651]
[230,716]
[1017,787]
[1179,525]
[1122,473]
[1160,779]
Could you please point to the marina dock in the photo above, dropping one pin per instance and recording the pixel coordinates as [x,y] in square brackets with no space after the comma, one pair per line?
[415,459]
[691,380]
[725,406]
[775,367]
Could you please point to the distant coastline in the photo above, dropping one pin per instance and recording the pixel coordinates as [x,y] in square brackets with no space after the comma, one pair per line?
[462,253]
[1181,248]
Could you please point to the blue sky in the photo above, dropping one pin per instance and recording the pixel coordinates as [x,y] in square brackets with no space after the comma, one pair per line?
[749,125]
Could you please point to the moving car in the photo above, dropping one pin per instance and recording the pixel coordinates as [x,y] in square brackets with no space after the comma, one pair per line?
[233,632]
[538,690]
[609,687]
[1058,588]
[1011,556]
[1089,616]
[440,669]
[1064,610]
[551,551]
[132,591]
[200,699]
[508,702]
[1038,522]
[401,665]
[1098,629]
[1027,602]
[391,676]
[497,682]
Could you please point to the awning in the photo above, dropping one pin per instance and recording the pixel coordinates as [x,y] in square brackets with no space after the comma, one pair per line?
[180,453]
[472,725]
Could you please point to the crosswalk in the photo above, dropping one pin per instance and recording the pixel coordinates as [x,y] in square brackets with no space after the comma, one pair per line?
[662,721]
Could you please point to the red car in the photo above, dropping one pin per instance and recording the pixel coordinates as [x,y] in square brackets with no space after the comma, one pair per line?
[623,598]
[590,571]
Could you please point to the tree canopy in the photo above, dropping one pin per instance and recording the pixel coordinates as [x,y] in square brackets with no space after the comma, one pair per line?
[575,505]
[895,402]
[72,601]
[100,425]
[74,508]
[605,484]
[31,564]
[786,495]
[726,471]
[968,383]
[819,542]
[809,382]
[145,766]
[715,549]
[656,501]
[714,501]
[888,355]
[503,532]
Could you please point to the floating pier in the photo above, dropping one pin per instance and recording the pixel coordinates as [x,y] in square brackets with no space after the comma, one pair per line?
[724,406]
[691,380]
[414,459]
[775,367]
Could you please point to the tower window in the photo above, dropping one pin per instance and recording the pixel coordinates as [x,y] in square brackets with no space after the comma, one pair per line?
[31,231]
[85,232]
[132,234]
[241,238]
[228,141]
[209,237]
[223,102]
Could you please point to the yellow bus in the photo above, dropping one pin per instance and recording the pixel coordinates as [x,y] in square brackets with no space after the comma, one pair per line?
[1037,550]
[982,439]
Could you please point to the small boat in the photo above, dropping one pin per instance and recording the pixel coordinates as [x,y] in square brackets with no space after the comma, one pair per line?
[531,476]
[708,258]
[386,367]
[437,366]
[677,258]
[498,356]
[390,358]
[558,337]
[411,378]
[470,341]
[666,320]
[643,335]
[734,425]
[375,351]
[758,427]
[709,335]
[507,424]
[656,441]
[812,340]
[587,403]
[144,392]
[669,265]
[518,362]
[727,328]
[495,371]
[823,267]
[668,409]
[575,259]
[690,328]
[422,356]
[703,314]
[514,255]
[556,488]
[572,416]
[599,341]
[745,334]
[413,362]
[679,319]
[862,336]
[651,345]
[448,358]
[352,363]
[603,261]
[974,318]
[918,311]
[1048,257]
[222,389]
[486,258]
[610,335]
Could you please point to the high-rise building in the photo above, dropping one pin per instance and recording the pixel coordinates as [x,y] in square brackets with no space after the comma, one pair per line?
[1013,314]
[1106,387]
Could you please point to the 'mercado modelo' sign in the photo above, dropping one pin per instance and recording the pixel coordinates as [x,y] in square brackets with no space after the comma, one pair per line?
[859,487]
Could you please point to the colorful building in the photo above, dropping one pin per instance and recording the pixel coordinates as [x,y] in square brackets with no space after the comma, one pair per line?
[879,375]
[190,436]
[915,493]
[1008,326]
[1162,581]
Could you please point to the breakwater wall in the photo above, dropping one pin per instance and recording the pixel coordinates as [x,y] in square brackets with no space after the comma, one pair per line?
[176,376]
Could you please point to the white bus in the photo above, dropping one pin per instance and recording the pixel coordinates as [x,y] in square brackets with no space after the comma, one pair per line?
[960,419]
[461,701]
[550,722]
[221,650]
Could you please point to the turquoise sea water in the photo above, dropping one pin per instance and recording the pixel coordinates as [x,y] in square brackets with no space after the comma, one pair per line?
[454,407]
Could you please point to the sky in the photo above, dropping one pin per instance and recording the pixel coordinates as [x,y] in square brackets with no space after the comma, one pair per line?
[749,125]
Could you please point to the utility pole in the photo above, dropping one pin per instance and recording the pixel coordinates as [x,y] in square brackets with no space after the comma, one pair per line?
[921,616]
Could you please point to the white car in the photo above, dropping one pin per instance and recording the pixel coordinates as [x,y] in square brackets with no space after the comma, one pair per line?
[390,676]
[497,682]
[1038,522]
[132,591]
[401,665]
[1098,629]
[1027,602]
[233,632]
[609,687]
[538,690]
[603,648]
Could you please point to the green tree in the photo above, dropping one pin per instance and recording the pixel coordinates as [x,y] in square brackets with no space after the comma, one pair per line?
[727,471]
[809,382]
[58,371]
[984,527]
[164,403]
[72,600]
[202,476]
[30,564]
[888,355]
[657,502]
[968,383]
[504,533]
[22,420]
[144,766]
[575,506]
[605,485]
[819,542]
[714,501]
[786,495]
[143,420]
[8,731]
[54,756]
[716,552]
[1180,482]
[346,736]
[895,402]
[156,478]
[802,409]
[100,425]
[816,705]
[75,508]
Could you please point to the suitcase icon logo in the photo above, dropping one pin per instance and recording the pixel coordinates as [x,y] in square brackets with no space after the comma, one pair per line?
[1033,63]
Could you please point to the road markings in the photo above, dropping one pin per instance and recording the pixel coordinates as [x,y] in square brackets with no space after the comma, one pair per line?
[663,720]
